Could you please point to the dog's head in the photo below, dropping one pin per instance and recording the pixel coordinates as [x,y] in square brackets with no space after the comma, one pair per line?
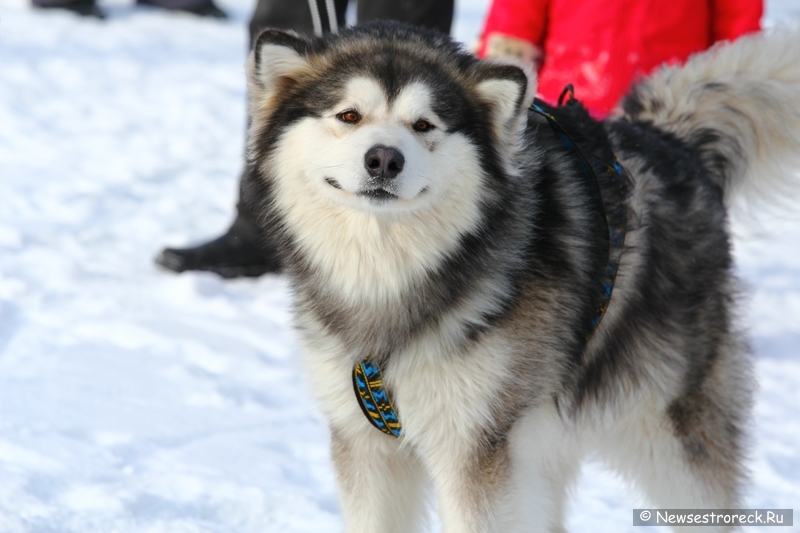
[382,119]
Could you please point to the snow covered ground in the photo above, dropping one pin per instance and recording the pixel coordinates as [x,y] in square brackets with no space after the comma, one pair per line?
[135,401]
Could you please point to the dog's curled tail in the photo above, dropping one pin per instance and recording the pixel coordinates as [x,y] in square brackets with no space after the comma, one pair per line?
[738,104]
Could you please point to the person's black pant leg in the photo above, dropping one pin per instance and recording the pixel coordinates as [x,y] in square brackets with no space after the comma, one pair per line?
[436,14]
[288,15]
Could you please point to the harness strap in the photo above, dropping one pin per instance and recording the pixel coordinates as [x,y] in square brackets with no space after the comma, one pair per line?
[607,180]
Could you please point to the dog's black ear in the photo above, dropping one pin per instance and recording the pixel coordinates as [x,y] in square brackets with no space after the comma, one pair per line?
[277,56]
[507,88]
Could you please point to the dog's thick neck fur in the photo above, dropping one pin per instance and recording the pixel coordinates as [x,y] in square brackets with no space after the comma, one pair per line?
[392,277]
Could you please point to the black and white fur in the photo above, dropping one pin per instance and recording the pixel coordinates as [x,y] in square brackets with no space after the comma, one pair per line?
[466,266]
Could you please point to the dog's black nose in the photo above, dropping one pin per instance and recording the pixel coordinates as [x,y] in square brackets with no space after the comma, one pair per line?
[384,162]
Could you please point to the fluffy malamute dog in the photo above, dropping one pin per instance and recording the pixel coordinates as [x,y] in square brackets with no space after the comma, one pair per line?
[486,292]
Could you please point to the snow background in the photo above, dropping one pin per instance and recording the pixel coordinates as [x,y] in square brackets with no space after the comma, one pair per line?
[136,401]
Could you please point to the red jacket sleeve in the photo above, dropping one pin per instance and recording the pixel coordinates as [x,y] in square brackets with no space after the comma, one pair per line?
[733,18]
[524,19]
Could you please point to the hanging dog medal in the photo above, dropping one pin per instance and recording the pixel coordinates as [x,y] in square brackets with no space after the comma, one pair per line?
[373,398]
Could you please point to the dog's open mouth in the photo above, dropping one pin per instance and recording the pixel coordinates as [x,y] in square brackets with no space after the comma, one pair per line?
[376,195]
[381,195]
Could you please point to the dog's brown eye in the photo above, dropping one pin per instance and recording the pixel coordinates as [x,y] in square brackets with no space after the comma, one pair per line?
[422,126]
[350,117]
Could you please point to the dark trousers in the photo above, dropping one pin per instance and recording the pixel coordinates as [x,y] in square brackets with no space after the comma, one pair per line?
[296,15]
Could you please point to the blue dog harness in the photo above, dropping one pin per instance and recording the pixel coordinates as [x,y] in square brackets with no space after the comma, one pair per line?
[607,180]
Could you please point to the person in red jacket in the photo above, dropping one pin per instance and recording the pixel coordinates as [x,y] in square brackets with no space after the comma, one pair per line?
[602,46]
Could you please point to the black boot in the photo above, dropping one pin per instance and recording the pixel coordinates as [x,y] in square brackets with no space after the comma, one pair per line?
[84,8]
[239,252]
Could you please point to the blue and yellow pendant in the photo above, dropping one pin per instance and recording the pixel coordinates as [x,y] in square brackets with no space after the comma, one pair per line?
[373,398]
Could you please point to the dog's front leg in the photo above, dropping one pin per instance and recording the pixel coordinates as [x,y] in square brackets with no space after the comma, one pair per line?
[504,482]
[381,483]
[471,480]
